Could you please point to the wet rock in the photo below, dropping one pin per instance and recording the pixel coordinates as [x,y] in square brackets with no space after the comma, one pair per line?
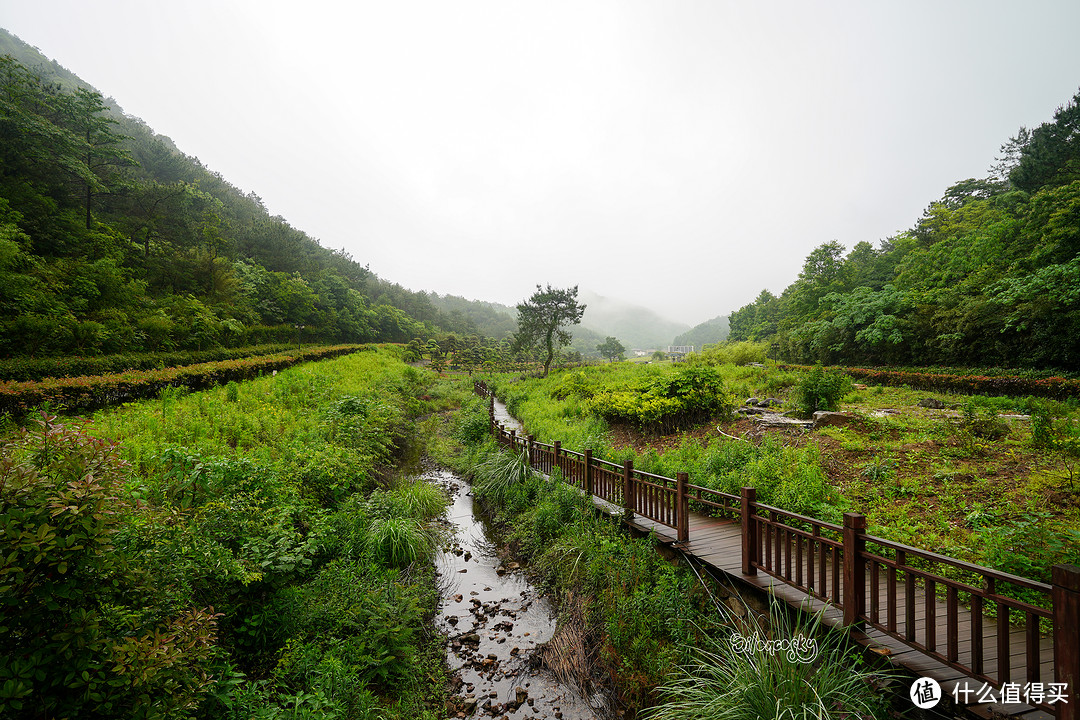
[458,598]
[932,403]
[824,418]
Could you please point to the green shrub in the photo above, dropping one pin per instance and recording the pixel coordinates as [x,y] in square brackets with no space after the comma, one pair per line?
[70,627]
[499,473]
[733,353]
[821,390]
[1030,545]
[472,424]
[662,403]
[983,423]
[416,498]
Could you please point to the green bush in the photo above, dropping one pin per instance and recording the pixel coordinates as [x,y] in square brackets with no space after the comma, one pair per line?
[821,390]
[665,402]
[85,623]
[1030,545]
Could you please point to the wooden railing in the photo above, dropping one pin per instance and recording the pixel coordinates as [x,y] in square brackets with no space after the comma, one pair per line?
[988,632]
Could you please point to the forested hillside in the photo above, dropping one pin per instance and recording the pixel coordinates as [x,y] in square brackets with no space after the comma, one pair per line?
[990,275]
[707,333]
[112,240]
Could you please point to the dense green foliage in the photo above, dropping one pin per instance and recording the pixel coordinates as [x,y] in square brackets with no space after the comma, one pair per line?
[990,275]
[821,390]
[611,348]
[664,402]
[112,240]
[244,553]
[27,368]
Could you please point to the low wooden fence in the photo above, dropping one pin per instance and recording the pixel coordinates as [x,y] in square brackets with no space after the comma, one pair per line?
[968,617]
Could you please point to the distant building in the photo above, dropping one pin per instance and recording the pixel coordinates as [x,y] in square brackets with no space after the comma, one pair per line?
[678,352]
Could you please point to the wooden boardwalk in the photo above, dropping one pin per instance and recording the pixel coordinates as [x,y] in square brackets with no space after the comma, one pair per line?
[717,543]
[962,625]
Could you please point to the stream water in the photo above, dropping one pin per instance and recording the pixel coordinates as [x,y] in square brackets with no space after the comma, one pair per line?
[495,620]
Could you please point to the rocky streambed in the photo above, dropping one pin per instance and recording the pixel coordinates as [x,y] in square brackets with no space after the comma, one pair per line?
[496,620]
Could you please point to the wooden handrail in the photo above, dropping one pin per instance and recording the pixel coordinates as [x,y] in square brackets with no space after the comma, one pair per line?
[804,557]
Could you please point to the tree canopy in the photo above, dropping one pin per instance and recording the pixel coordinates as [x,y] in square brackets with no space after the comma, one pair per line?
[112,240]
[543,319]
[989,275]
[611,348]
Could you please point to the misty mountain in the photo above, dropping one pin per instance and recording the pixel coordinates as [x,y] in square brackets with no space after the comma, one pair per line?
[707,333]
[635,326]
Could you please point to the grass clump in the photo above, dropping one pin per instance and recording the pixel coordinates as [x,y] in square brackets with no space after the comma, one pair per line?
[773,668]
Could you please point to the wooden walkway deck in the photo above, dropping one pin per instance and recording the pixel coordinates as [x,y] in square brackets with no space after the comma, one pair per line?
[717,543]
[812,569]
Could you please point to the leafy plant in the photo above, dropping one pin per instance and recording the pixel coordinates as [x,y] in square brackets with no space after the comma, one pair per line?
[1030,544]
[821,390]
[690,394]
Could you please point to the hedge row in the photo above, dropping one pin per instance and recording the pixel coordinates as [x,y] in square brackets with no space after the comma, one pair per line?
[22,368]
[1057,388]
[80,394]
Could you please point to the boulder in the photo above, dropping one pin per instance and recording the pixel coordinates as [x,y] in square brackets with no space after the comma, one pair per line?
[824,418]
[932,403]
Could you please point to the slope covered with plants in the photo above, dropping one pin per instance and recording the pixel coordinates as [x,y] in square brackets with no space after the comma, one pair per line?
[989,276]
[112,240]
[245,551]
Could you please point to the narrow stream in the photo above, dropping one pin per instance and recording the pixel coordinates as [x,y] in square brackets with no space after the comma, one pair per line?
[495,620]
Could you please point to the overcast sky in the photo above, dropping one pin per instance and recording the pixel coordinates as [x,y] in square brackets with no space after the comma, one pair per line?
[682,155]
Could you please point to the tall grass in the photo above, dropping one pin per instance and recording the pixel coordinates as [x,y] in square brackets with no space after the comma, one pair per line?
[767,671]
[500,472]
[398,542]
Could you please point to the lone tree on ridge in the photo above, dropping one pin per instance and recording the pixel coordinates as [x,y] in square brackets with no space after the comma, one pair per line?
[542,319]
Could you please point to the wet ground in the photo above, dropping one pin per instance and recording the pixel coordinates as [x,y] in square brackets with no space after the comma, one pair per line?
[495,620]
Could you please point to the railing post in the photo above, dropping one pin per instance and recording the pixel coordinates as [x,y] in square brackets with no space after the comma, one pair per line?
[557,463]
[682,508]
[588,473]
[628,487]
[1065,595]
[529,446]
[750,543]
[854,569]
[513,440]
